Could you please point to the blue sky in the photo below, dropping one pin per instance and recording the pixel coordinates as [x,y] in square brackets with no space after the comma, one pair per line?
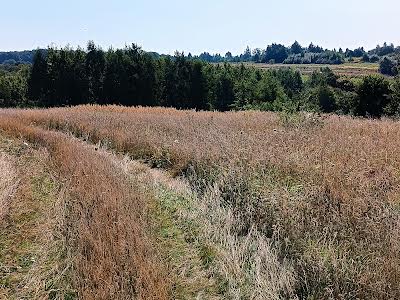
[197,26]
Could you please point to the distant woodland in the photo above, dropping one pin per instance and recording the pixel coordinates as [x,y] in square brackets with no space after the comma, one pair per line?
[132,76]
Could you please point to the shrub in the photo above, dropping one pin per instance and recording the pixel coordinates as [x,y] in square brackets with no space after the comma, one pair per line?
[320,98]
[388,67]
[372,96]
[393,108]
[374,59]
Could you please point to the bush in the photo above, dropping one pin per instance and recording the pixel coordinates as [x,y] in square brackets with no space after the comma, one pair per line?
[393,108]
[345,84]
[388,67]
[320,98]
[13,88]
[269,93]
[374,59]
[324,76]
[365,57]
[346,101]
[372,96]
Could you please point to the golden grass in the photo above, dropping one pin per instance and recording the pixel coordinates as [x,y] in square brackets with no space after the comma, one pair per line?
[104,222]
[323,193]
[29,246]
[7,183]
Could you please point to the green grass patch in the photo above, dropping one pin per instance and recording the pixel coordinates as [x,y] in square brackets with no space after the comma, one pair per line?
[185,254]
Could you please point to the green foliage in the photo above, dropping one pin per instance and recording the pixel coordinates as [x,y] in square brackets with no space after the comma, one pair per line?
[373,58]
[346,101]
[359,52]
[270,91]
[275,52]
[345,84]
[17,57]
[94,67]
[383,50]
[324,77]
[290,80]
[365,58]
[296,48]
[393,108]
[131,76]
[372,96]
[388,67]
[38,80]
[184,83]
[223,88]
[13,87]
[325,57]
[321,98]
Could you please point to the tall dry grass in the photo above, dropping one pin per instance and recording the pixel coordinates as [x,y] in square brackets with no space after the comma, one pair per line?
[7,183]
[106,221]
[32,263]
[325,194]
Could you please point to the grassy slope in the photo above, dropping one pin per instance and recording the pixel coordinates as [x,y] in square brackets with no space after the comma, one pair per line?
[102,222]
[33,264]
[199,265]
[306,206]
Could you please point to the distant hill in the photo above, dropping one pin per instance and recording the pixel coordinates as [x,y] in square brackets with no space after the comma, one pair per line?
[17,57]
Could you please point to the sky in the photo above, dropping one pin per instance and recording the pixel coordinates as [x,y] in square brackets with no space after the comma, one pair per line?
[198,26]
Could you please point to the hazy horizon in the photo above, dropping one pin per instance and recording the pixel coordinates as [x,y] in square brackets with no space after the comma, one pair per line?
[165,27]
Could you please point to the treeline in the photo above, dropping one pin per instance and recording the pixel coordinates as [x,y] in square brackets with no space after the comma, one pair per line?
[131,76]
[274,53]
[297,54]
[14,85]
[278,53]
[17,57]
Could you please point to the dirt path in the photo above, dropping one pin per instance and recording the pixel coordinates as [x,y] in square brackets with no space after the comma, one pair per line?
[193,234]
[176,234]
[206,258]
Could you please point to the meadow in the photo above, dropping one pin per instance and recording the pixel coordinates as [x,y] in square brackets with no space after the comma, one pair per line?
[159,203]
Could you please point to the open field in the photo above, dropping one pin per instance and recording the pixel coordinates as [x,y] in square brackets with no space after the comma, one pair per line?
[347,69]
[156,203]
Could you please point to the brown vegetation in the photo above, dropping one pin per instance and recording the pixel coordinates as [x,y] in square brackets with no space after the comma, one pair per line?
[30,244]
[105,222]
[7,183]
[319,197]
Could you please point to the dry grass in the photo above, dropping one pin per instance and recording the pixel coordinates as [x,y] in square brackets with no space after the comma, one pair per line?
[30,245]
[105,222]
[319,200]
[206,263]
[7,183]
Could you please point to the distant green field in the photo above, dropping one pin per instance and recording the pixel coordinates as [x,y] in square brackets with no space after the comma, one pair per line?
[349,68]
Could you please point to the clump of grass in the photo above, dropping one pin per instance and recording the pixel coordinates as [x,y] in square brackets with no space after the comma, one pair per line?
[300,120]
